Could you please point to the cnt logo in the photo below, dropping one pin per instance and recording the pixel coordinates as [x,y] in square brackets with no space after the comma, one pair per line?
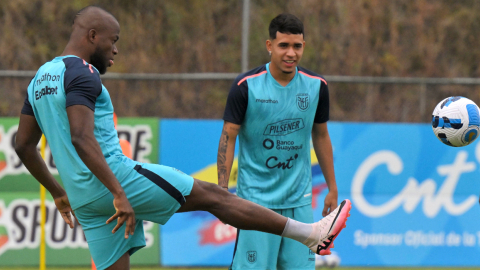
[272,162]
[414,192]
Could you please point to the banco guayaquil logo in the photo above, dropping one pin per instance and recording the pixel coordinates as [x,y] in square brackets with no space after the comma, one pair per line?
[303,101]
[251,256]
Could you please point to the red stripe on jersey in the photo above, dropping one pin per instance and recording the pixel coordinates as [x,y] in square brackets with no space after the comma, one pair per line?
[89,66]
[251,76]
[314,77]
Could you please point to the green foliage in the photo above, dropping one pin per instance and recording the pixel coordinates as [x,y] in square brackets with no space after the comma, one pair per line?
[365,37]
[427,38]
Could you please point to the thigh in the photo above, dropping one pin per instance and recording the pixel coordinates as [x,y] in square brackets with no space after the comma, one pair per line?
[255,250]
[293,254]
[122,264]
[106,247]
[156,192]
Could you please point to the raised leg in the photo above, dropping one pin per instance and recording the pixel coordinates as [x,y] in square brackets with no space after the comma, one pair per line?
[245,215]
[232,209]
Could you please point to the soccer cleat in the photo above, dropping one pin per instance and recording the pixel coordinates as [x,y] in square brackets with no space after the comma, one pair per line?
[327,229]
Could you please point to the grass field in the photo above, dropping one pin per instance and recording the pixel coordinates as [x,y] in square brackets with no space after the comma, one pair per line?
[209,268]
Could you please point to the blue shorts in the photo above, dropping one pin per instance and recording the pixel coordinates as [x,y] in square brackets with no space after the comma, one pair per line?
[155,192]
[259,250]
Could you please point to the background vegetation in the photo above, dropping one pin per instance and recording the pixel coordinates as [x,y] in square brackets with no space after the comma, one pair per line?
[400,38]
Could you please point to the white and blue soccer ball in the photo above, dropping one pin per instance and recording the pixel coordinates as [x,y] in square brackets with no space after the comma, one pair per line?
[456,121]
[331,261]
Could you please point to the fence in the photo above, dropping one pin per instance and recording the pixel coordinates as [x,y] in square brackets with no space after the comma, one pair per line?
[203,95]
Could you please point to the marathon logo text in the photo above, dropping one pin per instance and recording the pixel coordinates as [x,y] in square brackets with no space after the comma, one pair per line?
[45,91]
[266,100]
[47,77]
[284,127]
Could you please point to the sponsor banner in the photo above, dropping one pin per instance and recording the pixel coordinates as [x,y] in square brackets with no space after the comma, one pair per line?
[20,235]
[414,199]
[19,203]
[142,133]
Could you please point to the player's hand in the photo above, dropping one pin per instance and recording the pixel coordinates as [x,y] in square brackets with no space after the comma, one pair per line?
[331,202]
[124,214]
[63,206]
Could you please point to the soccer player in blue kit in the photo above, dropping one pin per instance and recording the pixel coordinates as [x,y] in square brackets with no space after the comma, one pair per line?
[67,102]
[273,109]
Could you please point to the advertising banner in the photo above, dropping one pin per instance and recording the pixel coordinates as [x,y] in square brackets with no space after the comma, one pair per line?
[415,200]
[142,133]
[20,204]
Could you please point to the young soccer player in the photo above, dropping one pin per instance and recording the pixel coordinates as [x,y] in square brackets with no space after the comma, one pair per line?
[67,102]
[274,109]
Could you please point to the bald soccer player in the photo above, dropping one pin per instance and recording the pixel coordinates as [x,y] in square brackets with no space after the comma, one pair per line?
[107,191]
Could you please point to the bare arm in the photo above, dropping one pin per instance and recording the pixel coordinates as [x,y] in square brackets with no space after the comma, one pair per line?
[226,151]
[26,141]
[81,120]
[323,149]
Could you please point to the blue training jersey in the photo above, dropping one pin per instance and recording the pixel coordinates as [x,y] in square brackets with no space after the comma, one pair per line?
[58,84]
[274,164]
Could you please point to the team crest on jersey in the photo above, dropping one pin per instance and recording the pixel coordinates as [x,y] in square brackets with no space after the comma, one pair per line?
[303,101]
[251,256]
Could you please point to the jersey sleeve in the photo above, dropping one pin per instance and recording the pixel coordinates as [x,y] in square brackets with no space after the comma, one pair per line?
[27,107]
[237,103]
[323,109]
[82,83]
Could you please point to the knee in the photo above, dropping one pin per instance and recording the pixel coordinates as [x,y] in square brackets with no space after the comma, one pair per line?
[212,195]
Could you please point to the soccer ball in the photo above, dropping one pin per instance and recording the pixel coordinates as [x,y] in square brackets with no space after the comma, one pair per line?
[331,261]
[456,121]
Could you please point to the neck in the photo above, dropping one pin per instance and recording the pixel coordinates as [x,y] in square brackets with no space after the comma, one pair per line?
[72,49]
[281,77]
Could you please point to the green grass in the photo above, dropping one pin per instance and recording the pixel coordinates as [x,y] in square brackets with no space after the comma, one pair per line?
[209,268]
[86,268]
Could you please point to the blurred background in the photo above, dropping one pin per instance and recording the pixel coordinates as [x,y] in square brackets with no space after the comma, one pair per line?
[417,38]
[387,63]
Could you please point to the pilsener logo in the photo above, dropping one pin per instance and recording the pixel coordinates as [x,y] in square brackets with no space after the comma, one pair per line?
[284,127]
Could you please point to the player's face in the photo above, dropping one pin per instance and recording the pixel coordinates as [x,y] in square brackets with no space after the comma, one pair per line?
[287,50]
[106,48]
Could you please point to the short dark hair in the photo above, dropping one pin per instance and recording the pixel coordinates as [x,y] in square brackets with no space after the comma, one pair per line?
[285,23]
[88,7]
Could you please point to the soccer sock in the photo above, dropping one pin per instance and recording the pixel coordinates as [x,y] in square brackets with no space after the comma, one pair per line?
[297,230]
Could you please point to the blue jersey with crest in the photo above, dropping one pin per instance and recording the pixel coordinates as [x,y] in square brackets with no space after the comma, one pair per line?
[274,164]
[58,84]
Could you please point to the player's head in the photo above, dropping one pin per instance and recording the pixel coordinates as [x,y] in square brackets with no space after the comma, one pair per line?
[286,42]
[285,23]
[96,31]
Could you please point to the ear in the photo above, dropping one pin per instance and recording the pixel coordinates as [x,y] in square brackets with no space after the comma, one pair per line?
[92,35]
[268,45]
